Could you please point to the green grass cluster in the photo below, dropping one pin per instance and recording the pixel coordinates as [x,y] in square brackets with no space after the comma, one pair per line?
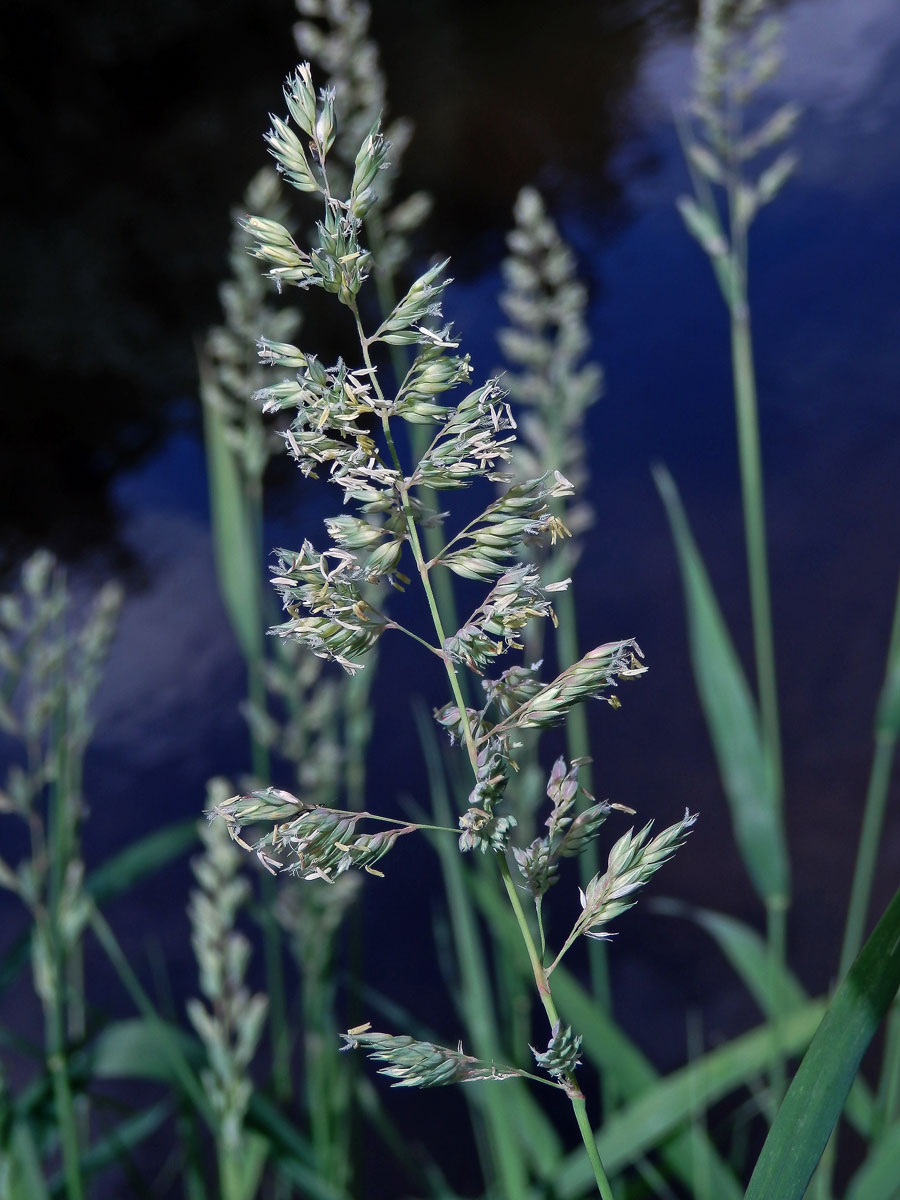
[249,1088]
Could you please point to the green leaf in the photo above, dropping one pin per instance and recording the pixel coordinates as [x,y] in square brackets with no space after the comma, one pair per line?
[731,716]
[691,1157]
[139,1048]
[877,1178]
[747,952]
[117,1142]
[237,559]
[887,717]
[646,1121]
[25,1178]
[817,1094]
[143,857]
[518,1128]
[293,1153]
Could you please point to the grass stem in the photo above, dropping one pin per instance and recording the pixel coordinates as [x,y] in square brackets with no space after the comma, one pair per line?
[417,551]
[543,986]
[873,816]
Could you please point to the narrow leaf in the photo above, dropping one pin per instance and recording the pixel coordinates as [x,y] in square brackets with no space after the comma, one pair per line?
[237,561]
[816,1097]
[139,859]
[877,1178]
[293,1153]
[731,716]
[748,954]
[643,1124]
[612,1052]
[117,1142]
[745,950]
[138,1049]
[20,1163]
[887,717]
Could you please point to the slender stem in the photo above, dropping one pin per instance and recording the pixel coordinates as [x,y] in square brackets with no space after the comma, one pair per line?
[573,1091]
[763,643]
[181,1068]
[495,1133]
[867,852]
[411,825]
[566,946]
[432,533]
[755,534]
[753,508]
[888,1099]
[590,1144]
[873,819]
[579,746]
[417,552]
[392,624]
[273,948]
[62,1092]
[776,929]
[61,848]
[537,967]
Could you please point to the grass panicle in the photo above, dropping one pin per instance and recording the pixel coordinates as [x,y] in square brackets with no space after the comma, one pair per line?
[229,1020]
[339,412]
[49,674]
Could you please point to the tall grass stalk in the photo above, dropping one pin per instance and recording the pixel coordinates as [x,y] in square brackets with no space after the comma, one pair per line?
[502,1152]
[887,733]
[240,443]
[333,611]
[50,673]
[229,1019]
[551,384]
[737,52]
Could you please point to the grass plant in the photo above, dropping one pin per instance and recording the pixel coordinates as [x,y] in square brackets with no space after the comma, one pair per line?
[403,431]
[331,611]
[737,52]
[317,727]
[50,674]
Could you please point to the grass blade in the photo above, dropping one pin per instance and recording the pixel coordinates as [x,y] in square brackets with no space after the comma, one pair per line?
[112,1145]
[21,1164]
[292,1153]
[887,733]
[747,952]
[171,1047]
[877,1178]
[644,1123]
[139,1049]
[143,857]
[816,1097]
[514,1123]
[612,1053]
[236,553]
[731,716]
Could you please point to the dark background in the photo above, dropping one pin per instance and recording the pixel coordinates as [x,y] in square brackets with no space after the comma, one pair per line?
[130,133]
